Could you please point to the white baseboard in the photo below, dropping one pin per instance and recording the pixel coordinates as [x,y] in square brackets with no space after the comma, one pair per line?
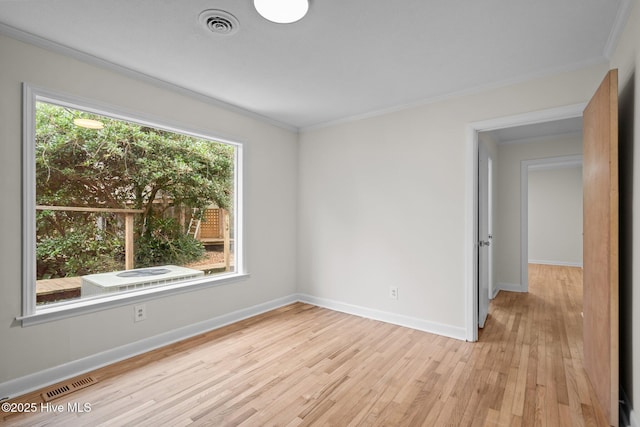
[496,289]
[559,263]
[510,287]
[384,316]
[44,378]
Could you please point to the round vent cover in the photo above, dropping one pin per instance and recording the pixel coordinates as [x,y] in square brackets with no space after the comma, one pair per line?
[219,22]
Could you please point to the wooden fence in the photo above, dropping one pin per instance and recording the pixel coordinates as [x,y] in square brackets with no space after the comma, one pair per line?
[129,256]
[215,229]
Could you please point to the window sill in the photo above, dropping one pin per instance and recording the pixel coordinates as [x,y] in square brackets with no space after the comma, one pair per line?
[71,309]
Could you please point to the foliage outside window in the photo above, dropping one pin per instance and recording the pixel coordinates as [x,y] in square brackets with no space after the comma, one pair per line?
[121,206]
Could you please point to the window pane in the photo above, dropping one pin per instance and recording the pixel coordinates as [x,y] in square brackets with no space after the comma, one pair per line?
[122,206]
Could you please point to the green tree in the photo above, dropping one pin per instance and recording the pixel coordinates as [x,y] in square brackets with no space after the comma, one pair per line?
[122,165]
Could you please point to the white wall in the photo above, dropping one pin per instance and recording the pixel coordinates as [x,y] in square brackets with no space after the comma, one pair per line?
[382,200]
[270,190]
[510,157]
[626,58]
[555,216]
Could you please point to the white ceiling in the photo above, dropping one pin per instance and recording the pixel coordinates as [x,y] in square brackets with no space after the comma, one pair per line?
[344,59]
[537,130]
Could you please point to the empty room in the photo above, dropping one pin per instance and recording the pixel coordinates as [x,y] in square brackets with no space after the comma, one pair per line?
[306,212]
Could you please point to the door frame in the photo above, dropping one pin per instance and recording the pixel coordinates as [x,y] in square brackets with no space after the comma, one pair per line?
[526,166]
[471,196]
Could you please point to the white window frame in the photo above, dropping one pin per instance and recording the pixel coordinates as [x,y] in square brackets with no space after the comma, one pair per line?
[31,313]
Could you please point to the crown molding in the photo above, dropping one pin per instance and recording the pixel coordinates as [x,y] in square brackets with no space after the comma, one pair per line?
[59,48]
[535,139]
[618,25]
[566,164]
[474,90]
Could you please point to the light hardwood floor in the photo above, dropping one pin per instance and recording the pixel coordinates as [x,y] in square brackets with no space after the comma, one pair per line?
[304,365]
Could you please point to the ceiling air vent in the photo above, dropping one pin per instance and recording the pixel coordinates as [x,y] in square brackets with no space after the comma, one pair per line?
[219,22]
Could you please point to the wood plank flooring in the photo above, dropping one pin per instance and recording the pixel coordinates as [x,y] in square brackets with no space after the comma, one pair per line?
[304,365]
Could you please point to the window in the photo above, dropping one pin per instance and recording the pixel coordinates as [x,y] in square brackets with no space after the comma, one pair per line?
[119,207]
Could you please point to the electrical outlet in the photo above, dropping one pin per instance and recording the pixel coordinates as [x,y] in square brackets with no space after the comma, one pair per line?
[393,292]
[139,312]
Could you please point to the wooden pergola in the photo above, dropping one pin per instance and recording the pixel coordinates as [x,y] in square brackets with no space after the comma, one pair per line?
[129,257]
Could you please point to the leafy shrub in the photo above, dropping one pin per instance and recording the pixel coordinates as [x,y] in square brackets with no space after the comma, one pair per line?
[164,243]
[77,252]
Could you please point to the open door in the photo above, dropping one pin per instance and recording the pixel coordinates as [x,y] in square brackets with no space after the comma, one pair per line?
[484,232]
[600,274]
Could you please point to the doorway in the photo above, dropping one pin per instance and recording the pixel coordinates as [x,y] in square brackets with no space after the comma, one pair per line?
[531,122]
[555,215]
[600,307]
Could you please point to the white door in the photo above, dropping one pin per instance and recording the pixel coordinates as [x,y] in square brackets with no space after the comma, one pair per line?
[484,232]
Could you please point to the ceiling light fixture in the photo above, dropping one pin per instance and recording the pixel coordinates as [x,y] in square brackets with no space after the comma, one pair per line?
[282,11]
[88,123]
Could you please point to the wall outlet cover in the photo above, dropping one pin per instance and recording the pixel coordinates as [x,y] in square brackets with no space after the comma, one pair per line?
[139,312]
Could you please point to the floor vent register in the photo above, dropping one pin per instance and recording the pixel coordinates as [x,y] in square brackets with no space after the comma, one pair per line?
[67,388]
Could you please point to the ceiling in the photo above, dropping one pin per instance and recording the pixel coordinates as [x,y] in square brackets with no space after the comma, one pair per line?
[344,59]
[570,126]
